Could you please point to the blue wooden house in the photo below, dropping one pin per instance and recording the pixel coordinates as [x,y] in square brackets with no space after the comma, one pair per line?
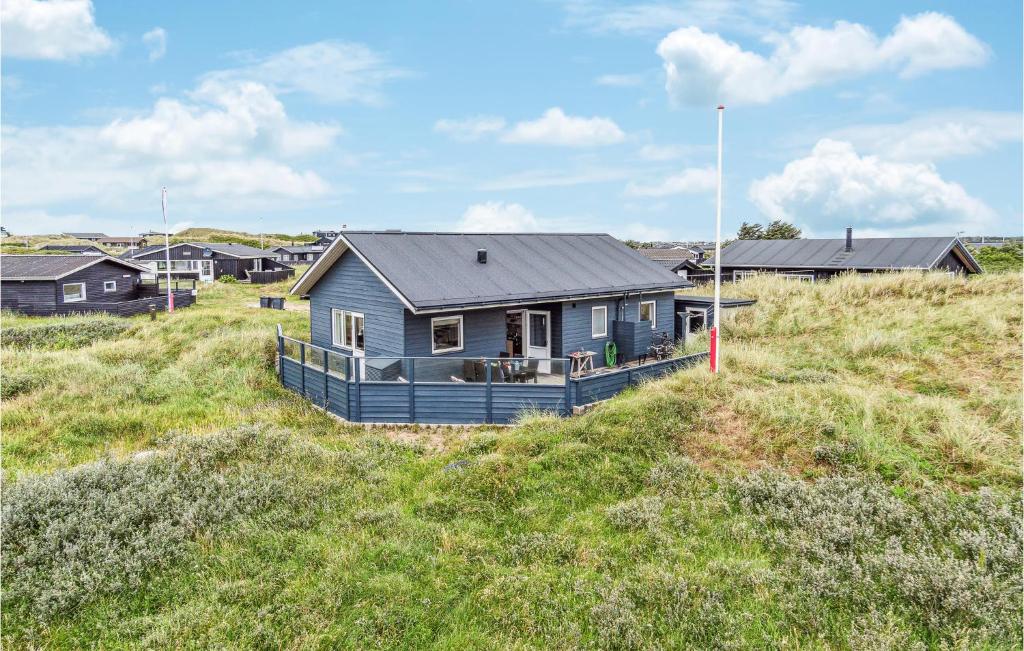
[480,309]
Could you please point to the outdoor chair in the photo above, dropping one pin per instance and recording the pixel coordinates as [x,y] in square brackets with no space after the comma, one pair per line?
[480,371]
[468,370]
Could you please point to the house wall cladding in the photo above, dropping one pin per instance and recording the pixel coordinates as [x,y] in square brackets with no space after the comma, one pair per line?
[126,283]
[350,285]
[28,296]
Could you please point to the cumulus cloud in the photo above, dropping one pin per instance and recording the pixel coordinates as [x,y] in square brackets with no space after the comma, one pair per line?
[330,71]
[692,180]
[470,129]
[225,141]
[557,128]
[703,68]
[59,30]
[497,217]
[156,40]
[835,186]
[937,136]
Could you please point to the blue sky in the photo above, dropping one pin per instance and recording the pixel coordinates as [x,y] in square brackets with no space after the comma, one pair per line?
[896,118]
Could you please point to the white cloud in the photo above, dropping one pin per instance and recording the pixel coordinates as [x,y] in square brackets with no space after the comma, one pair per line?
[227,142]
[693,180]
[156,40]
[641,233]
[834,187]
[656,17]
[622,81]
[704,68]
[947,134]
[330,71]
[59,30]
[557,128]
[470,129]
[497,217]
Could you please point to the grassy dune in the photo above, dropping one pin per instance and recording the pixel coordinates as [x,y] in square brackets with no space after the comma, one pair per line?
[851,480]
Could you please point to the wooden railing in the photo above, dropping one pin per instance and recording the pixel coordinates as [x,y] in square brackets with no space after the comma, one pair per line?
[449,390]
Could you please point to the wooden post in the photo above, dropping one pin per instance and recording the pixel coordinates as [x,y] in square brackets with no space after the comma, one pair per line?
[490,406]
[302,365]
[358,416]
[412,389]
[280,353]
[568,392]
[326,381]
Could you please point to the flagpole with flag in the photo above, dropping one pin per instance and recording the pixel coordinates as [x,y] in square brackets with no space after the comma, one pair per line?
[716,323]
[167,250]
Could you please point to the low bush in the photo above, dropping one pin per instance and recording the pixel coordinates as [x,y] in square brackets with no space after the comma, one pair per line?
[228,278]
[72,333]
[948,565]
[104,527]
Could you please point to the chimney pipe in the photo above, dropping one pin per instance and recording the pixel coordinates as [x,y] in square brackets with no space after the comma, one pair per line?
[481,256]
[849,238]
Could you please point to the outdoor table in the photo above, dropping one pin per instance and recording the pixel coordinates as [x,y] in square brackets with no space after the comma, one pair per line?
[581,361]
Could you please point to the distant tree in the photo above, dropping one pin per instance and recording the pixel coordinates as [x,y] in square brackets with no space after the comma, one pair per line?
[993,259]
[635,244]
[750,232]
[780,230]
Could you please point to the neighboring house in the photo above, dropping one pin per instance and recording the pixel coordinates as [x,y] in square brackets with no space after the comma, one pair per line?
[126,242]
[87,249]
[695,313]
[389,293]
[64,284]
[324,238]
[678,260]
[208,261]
[818,259]
[92,237]
[308,253]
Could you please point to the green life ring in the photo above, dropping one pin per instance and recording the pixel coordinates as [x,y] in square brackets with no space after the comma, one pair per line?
[611,351]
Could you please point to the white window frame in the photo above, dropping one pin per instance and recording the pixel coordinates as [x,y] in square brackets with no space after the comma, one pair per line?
[109,286]
[462,341]
[800,277]
[338,338]
[654,312]
[603,309]
[740,274]
[64,292]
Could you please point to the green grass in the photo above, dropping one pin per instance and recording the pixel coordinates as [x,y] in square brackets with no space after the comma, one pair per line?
[890,406]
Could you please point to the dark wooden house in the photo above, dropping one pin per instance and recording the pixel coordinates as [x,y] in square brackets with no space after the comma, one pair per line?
[65,284]
[303,254]
[819,259]
[209,261]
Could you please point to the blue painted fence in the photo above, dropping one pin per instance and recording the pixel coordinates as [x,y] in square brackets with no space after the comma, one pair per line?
[448,391]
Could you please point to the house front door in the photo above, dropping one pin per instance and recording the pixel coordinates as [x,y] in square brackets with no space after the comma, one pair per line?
[538,338]
[206,270]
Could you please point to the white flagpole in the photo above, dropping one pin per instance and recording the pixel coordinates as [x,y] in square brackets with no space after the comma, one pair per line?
[167,250]
[715,329]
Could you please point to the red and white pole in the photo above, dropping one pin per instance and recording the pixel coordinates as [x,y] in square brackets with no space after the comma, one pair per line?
[716,322]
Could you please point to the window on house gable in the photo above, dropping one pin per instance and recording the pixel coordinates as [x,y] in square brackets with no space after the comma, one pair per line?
[74,292]
[109,285]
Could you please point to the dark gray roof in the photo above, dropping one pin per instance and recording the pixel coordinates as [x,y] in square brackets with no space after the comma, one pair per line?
[666,255]
[299,249]
[872,253]
[708,301]
[52,267]
[237,250]
[433,271]
[75,248]
[139,252]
